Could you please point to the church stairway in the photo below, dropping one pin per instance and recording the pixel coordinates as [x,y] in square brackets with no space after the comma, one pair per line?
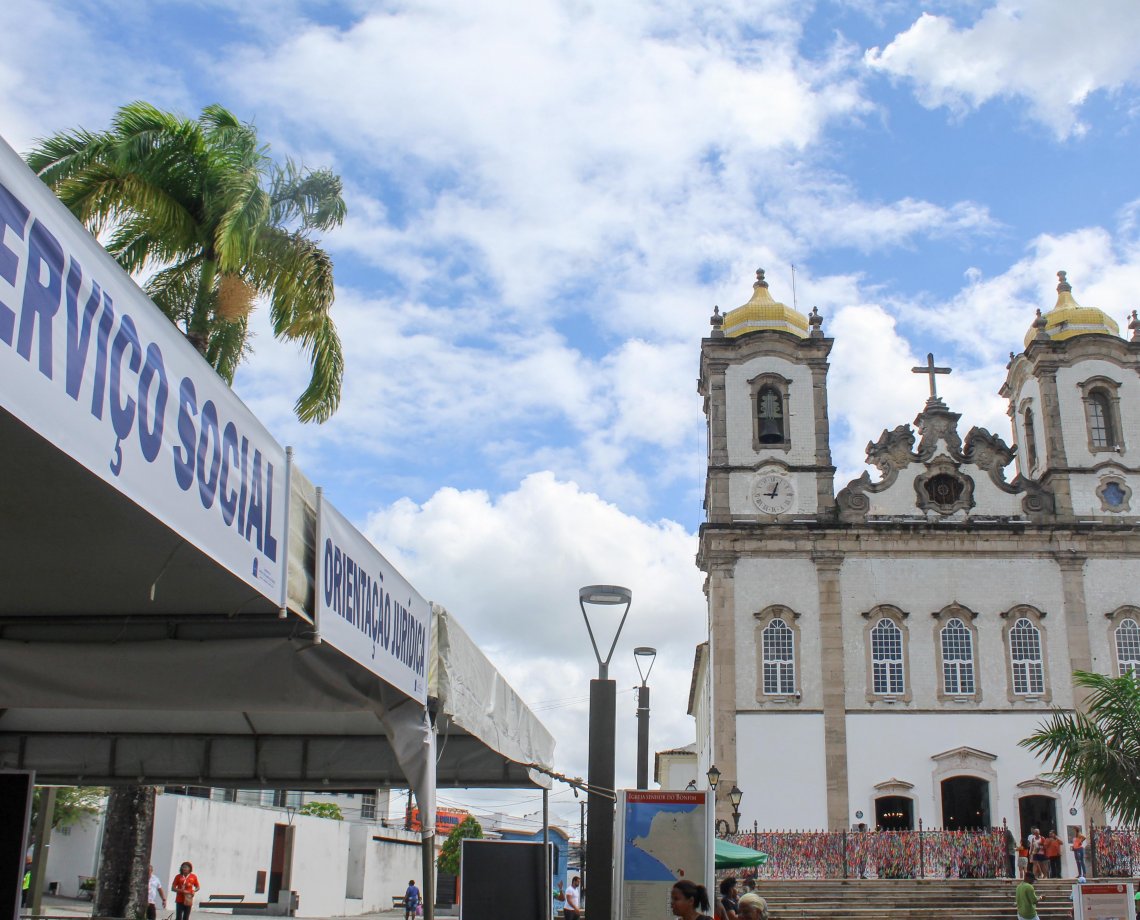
[909,899]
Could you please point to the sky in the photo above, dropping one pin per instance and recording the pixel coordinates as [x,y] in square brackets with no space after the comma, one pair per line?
[547,199]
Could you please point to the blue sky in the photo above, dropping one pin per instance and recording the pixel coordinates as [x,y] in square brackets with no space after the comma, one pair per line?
[547,199]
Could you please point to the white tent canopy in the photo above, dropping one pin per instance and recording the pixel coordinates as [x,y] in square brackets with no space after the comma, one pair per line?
[158,566]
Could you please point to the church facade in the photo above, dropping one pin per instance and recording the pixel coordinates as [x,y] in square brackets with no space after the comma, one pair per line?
[878,651]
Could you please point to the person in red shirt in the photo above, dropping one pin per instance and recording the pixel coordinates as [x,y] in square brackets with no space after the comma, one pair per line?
[1052,845]
[184,886]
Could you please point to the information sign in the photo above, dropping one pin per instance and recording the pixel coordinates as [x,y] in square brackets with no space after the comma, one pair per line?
[662,837]
[1104,901]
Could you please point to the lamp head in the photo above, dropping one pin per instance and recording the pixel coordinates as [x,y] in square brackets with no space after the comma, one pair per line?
[643,653]
[735,796]
[714,777]
[605,596]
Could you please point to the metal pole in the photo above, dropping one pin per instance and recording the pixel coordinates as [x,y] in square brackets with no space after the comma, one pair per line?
[600,847]
[921,853]
[547,874]
[643,737]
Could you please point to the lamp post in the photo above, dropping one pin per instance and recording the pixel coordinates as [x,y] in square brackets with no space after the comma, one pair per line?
[603,706]
[648,655]
[734,796]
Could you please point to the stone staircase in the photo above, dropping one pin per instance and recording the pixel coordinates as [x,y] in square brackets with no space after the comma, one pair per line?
[910,899]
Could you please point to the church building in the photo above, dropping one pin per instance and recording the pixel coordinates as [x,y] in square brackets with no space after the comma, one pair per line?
[876,653]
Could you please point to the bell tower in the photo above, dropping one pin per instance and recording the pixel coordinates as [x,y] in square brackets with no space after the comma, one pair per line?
[764,384]
[1074,394]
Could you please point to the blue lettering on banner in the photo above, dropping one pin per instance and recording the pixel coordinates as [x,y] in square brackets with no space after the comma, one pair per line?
[128,376]
[358,597]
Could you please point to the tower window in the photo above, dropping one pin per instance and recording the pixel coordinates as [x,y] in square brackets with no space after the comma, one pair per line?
[1102,414]
[770,412]
[1025,656]
[1100,423]
[1128,648]
[770,408]
[779,659]
[1030,441]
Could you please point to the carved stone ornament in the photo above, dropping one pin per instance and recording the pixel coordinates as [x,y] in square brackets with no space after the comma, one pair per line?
[943,489]
[895,786]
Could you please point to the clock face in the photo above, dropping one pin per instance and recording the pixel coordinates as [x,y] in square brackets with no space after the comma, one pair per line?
[773,493]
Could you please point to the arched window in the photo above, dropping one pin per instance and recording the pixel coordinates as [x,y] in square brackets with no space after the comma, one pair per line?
[1101,397]
[1100,420]
[1025,658]
[779,658]
[770,415]
[887,658]
[1128,648]
[1030,441]
[957,659]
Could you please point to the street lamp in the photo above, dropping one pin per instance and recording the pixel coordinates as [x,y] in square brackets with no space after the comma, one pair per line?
[734,796]
[643,653]
[603,713]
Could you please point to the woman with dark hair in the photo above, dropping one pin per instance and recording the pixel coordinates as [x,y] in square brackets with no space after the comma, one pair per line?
[728,898]
[185,886]
[690,900]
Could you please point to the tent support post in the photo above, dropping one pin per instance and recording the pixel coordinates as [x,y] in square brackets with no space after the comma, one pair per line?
[427,853]
[547,872]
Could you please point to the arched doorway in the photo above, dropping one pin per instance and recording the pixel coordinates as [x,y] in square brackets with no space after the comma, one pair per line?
[965,803]
[1037,811]
[894,813]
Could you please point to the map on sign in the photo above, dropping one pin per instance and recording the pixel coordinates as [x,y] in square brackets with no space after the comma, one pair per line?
[664,842]
[662,837]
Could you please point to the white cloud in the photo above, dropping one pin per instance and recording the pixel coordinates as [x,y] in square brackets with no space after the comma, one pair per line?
[509,569]
[1054,55]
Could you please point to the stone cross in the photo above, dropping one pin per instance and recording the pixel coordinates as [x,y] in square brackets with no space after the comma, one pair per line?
[930,370]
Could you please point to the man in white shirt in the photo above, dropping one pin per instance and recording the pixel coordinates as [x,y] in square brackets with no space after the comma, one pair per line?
[154,894]
[573,908]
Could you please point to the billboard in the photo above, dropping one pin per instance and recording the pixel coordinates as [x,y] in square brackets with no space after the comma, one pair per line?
[662,837]
[93,366]
[368,610]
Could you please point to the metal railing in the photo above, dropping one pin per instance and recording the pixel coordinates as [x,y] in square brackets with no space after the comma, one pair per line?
[1113,852]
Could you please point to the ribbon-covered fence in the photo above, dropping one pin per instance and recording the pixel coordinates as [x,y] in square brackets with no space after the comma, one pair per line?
[923,853]
[1113,852]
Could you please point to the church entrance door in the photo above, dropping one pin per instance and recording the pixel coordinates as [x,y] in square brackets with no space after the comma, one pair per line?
[894,813]
[965,803]
[1037,811]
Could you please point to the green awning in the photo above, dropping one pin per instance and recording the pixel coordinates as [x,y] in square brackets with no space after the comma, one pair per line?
[733,856]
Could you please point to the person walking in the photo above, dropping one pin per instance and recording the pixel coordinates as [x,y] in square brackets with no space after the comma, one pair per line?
[1052,847]
[411,899]
[752,907]
[1079,852]
[728,897]
[1027,898]
[154,894]
[184,886]
[573,908]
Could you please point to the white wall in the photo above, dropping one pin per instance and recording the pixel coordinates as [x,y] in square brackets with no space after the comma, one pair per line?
[74,852]
[779,760]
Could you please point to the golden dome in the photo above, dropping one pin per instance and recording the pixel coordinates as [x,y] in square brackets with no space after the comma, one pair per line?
[1068,318]
[762,312]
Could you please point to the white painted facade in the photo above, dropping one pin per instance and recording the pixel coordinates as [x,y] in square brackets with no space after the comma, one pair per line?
[951,533]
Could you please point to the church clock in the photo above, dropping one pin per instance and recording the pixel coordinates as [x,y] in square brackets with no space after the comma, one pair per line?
[773,493]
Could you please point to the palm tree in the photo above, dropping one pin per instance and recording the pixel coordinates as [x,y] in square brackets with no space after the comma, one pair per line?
[1098,751]
[201,205]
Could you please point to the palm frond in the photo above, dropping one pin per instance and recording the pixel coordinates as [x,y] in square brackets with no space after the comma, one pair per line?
[313,197]
[228,346]
[1097,752]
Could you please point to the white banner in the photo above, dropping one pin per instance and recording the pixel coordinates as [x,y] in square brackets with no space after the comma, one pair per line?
[88,362]
[366,609]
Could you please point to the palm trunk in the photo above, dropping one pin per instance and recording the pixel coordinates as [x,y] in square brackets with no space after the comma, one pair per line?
[198,331]
[124,864]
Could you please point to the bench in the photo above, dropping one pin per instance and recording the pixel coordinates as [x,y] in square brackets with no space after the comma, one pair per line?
[398,901]
[231,902]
